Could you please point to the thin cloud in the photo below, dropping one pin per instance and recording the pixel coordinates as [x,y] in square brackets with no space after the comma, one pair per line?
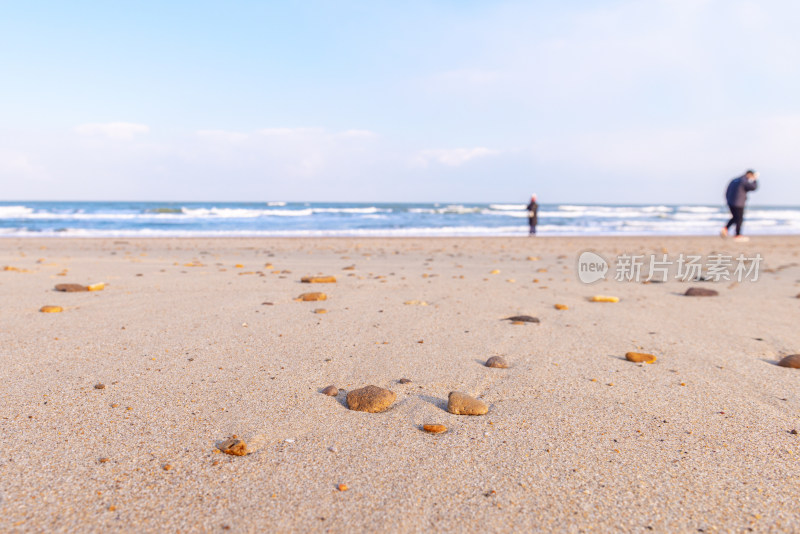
[112,130]
[222,135]
[452,157]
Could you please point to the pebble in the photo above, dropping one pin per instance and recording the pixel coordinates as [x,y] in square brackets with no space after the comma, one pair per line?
[318,280]
[415,303]
[404,381]
[370,399]
[561,307]
[640,357]
[51,309]
[434,429]
[604,298]
[320,310]
[793,361]
[99,385]
[71,288]
[233,446]
[495,271]
[342,487]
[700,292]
[462,404]
[167,467]
[498,362]
[96,287]
[522,319]
[330,391]
[311,297]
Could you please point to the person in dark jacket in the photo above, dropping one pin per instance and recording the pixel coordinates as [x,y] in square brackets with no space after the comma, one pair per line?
[736,196]
[533,214]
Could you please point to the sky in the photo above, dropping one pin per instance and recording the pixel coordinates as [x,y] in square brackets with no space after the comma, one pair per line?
[582,101]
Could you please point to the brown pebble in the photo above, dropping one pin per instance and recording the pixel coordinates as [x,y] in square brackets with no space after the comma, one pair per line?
[112,508]
[434,429]
[103,460]
[792,362]
[404,381]
[701,292]
[71,288]
[342,487]
[320,310]
[51,309]
[115,405]
[498,362]
[318,280]
[233,446]
[639,357]
[561,307]
[99,385]
[167,467]
[370,399]
[311,297]
[462,404]
[330,391]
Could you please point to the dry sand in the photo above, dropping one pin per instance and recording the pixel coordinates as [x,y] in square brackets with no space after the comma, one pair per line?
[189,355]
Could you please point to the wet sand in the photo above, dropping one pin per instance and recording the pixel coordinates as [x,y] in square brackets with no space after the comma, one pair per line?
[195,340]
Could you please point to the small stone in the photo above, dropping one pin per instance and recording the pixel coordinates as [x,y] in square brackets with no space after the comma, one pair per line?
[404,381]
[522,319]
[330,391]
[51,309]
[639,357]
[434,429]
[115,405]
[167,467]
[104,460]
[561,307]
[342,487]
[462,404]
[311,297]
[415,303]
[793,361]
[318,280]
[71,288]
[370,399]
[96,287]
[320,311]
[112,508]
[700,292]
[604,298]
[233,446]
[793,432]
[99,385]
[498,362]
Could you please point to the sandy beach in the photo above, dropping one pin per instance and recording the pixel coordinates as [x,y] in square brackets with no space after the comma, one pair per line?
[196,340]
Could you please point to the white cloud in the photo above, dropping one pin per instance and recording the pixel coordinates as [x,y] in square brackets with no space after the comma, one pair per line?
[112,130]
[284,132]
[222,135]
[451,157]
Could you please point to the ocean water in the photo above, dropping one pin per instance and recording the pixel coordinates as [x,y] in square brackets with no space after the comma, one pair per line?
[297,219]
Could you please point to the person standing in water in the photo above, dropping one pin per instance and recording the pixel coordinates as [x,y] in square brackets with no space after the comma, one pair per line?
[533,211]
[736,197]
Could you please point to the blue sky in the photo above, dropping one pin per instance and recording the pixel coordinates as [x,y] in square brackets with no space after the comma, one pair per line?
[657,101]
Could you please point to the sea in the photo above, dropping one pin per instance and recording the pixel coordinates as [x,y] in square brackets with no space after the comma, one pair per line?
[312,219]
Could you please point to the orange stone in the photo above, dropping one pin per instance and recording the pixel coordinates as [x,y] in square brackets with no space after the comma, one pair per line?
[639,357]
[434,429]
[311,297]
[561,307]
[235,447]
[318,280]
[51,309]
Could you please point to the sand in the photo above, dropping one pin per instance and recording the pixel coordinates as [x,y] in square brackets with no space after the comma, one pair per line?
[576,438]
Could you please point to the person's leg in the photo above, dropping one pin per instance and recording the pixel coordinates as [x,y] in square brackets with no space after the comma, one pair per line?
[732,220]
[738,215]
[532,224]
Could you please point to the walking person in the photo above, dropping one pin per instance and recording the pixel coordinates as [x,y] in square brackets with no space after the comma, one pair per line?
[533,211]
[736,196]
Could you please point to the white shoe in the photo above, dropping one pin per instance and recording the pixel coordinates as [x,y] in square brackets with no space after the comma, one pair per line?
[741,238]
